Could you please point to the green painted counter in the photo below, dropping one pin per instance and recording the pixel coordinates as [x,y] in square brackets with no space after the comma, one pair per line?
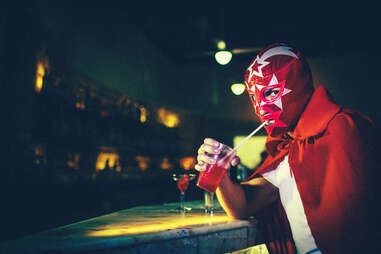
[144,229]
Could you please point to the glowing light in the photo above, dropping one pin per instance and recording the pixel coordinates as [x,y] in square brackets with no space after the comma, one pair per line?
[221,45]
[143,162]
[73,161]
[223,57]
[143,114]
[118,230]
[40,69]
[250,152]
[188,163]
[80,105]
[168,118]
[165,164]
[171,121]
[105,157]
[40,73]
[237,88]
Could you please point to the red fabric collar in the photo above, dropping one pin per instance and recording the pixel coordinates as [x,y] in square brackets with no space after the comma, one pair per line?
[313,121]
[318,113]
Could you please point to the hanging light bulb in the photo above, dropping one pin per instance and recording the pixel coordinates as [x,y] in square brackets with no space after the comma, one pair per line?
[223,57]
[237,88]
[221,45]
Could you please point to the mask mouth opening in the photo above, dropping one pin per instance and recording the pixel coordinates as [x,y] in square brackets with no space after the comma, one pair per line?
[269,122]
[269,116]
[264,113]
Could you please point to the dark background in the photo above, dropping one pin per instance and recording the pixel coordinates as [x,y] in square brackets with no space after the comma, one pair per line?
[113,59]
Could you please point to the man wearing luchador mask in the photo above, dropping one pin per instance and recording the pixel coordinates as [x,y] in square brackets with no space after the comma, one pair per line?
[315,192]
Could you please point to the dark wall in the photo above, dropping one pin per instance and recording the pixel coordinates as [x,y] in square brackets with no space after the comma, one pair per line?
[21,39]
[352,79]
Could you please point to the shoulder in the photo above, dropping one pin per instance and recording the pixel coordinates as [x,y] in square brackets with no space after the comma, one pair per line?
[350,127]
[349,121]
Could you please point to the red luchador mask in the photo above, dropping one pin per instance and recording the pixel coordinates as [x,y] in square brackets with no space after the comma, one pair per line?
[279,84]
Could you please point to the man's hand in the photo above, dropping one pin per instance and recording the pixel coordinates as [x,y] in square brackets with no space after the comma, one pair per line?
[207,152]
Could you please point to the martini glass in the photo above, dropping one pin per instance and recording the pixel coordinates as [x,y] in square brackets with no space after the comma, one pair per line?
[183,184]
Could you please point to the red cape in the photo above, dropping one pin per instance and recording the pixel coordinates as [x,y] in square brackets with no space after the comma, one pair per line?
[331,154]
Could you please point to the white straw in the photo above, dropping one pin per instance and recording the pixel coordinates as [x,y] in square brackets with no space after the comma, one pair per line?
[249,136]
[243,141]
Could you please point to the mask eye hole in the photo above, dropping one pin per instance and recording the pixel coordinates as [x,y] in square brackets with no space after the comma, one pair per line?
[271,93]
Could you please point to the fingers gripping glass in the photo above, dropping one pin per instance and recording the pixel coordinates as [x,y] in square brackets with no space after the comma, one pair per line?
[210,178]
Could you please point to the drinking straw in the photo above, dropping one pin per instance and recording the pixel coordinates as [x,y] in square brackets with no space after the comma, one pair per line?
[250,135]
[245,139]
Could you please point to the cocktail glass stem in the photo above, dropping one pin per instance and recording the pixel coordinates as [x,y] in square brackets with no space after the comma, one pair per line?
[209,202]
[182,200]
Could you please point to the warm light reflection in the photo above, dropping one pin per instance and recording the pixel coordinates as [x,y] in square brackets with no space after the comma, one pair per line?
[187,163]
[221,45]
[143,114]
[143,162]
[165,164]
[104,158]
[172,121]
[238,88]
[73,160]
[80,97]
[223,57]
[168,118]
[40,73]
[80,105]
[118,230]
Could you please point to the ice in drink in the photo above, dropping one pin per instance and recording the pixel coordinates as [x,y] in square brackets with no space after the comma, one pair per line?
[209,202]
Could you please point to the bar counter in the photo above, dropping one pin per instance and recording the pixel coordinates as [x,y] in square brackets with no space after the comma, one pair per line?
[145,229]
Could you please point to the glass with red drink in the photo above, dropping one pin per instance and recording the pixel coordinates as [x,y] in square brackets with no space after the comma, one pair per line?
[210,178]
[183,184]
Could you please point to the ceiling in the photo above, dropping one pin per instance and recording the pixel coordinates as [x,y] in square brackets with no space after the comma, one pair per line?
[186,31]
